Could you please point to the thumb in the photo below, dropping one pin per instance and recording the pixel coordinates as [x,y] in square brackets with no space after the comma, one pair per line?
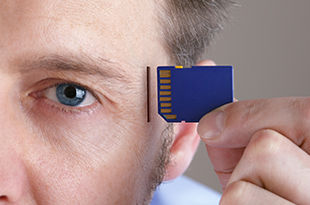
[223,159]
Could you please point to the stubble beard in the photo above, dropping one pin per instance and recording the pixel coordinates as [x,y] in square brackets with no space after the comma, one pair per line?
[162,160]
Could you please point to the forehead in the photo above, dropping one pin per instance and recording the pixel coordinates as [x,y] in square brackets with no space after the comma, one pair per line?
[116,29]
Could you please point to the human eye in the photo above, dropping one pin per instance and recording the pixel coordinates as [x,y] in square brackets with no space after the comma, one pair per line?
[69,94]
[53,95]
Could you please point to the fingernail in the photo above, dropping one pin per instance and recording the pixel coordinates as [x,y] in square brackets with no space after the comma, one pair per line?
[211,125]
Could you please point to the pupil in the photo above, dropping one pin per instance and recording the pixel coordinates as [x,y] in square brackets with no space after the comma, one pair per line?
[70,92]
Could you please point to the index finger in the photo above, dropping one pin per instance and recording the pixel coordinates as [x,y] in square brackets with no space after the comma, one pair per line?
[232,125]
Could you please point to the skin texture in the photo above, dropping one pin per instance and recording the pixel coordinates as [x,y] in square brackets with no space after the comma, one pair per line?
[102,153]
[260,150]
[106,152]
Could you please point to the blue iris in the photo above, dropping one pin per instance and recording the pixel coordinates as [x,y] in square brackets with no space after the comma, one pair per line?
[70,94]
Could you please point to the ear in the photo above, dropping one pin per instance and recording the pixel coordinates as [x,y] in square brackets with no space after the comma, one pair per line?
[185,144]
[182,150]
[206,63]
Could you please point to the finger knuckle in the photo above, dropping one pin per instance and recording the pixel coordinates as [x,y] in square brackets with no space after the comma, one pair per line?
[301,116]
[234,193]
[243,113]
[303,109]
[264,145]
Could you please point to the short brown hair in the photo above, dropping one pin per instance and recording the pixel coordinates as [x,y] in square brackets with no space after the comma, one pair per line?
[189,26]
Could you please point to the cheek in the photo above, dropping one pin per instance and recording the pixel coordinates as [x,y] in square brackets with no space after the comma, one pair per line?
[60,180]
[97,159]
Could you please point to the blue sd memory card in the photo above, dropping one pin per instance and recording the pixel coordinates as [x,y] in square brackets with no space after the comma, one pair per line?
[187,94]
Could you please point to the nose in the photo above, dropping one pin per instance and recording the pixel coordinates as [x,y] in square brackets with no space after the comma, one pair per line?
[13,179]
[14,182]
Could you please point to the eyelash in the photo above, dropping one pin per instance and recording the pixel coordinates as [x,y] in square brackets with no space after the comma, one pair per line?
[45,102]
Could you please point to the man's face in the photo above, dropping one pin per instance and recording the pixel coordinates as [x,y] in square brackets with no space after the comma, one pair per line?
[100,150]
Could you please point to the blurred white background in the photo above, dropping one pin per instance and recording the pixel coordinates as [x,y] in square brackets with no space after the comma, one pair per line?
[267,42]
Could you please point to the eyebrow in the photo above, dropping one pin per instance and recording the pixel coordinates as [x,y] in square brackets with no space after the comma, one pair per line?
[99,67]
